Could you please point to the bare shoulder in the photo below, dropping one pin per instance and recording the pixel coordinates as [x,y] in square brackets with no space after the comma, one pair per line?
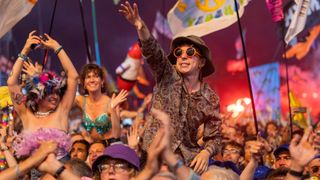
[79,100]
[106,98]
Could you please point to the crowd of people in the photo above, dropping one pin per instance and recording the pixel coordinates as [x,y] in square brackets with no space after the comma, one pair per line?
[176,133]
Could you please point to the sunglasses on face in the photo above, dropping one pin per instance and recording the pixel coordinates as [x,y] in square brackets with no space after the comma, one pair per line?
[231,151]
[191,51]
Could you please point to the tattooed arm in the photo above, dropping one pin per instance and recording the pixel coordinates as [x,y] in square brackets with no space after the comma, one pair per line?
[13,83]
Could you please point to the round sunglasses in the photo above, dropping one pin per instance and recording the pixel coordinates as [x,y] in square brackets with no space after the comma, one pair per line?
[191,51]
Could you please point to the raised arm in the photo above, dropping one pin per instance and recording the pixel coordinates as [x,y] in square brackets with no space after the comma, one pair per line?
[71,72]
[151,49]
[23,167]
[13,80]
[302,152]
[115,112]
[131,13]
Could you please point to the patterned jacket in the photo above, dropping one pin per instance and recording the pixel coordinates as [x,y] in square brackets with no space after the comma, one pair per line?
[187,111]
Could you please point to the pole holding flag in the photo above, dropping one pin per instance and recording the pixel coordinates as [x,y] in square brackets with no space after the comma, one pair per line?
[247,69]
[95,32]
[85,34]
[45,58]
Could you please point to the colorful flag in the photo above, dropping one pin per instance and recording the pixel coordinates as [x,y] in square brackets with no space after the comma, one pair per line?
[298,21]
[201,17]
[12,11]
[298,111]
[275,8]
[265,83]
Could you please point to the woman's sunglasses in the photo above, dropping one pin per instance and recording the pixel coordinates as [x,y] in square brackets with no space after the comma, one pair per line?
[191,51]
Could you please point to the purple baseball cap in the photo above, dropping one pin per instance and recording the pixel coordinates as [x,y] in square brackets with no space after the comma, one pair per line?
[118,151]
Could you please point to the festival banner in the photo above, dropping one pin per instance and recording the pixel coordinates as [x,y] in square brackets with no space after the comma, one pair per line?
[201,17]
[265,83]
[12,11]
[313,17]
[298,21]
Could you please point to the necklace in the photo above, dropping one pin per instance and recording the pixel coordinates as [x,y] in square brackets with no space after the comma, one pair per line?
[42,114]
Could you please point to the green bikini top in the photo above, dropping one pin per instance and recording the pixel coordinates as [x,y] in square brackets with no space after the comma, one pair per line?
[102,123]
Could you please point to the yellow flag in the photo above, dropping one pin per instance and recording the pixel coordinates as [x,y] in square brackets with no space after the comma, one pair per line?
[5,99]
[298,111]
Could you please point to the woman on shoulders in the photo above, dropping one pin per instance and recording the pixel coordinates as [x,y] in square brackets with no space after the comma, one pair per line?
[44,101]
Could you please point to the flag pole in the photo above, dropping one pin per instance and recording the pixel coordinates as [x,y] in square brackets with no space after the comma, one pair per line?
[45,58]
[247,68]
[85,34]
[95,32]
[287,82]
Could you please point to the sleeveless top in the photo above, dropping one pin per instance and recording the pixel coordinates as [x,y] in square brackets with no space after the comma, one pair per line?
[102,123]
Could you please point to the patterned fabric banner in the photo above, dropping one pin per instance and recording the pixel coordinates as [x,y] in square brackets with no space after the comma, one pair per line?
[265,82]
[201,17]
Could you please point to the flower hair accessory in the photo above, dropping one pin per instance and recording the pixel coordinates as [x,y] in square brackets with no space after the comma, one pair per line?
[38,86]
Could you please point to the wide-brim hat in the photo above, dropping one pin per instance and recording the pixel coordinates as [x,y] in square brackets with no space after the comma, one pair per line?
[118,151]
[208,67]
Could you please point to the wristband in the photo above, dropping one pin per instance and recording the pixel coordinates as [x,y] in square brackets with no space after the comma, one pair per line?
[23,57]
[295,173]
[59,171]
[58,50]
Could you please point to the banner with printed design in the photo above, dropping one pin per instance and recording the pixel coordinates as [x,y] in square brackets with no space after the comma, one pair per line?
[201,17]
[265,83]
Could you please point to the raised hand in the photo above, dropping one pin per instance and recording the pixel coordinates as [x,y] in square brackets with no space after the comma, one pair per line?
[31,69]
[50,43]
[133,136]
[131,13]
[267,146]
[257,149]
[32,39]
[116,100]
[47,147]
[303,151]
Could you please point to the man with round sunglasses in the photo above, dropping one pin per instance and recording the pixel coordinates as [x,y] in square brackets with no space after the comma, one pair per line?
[181,93]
